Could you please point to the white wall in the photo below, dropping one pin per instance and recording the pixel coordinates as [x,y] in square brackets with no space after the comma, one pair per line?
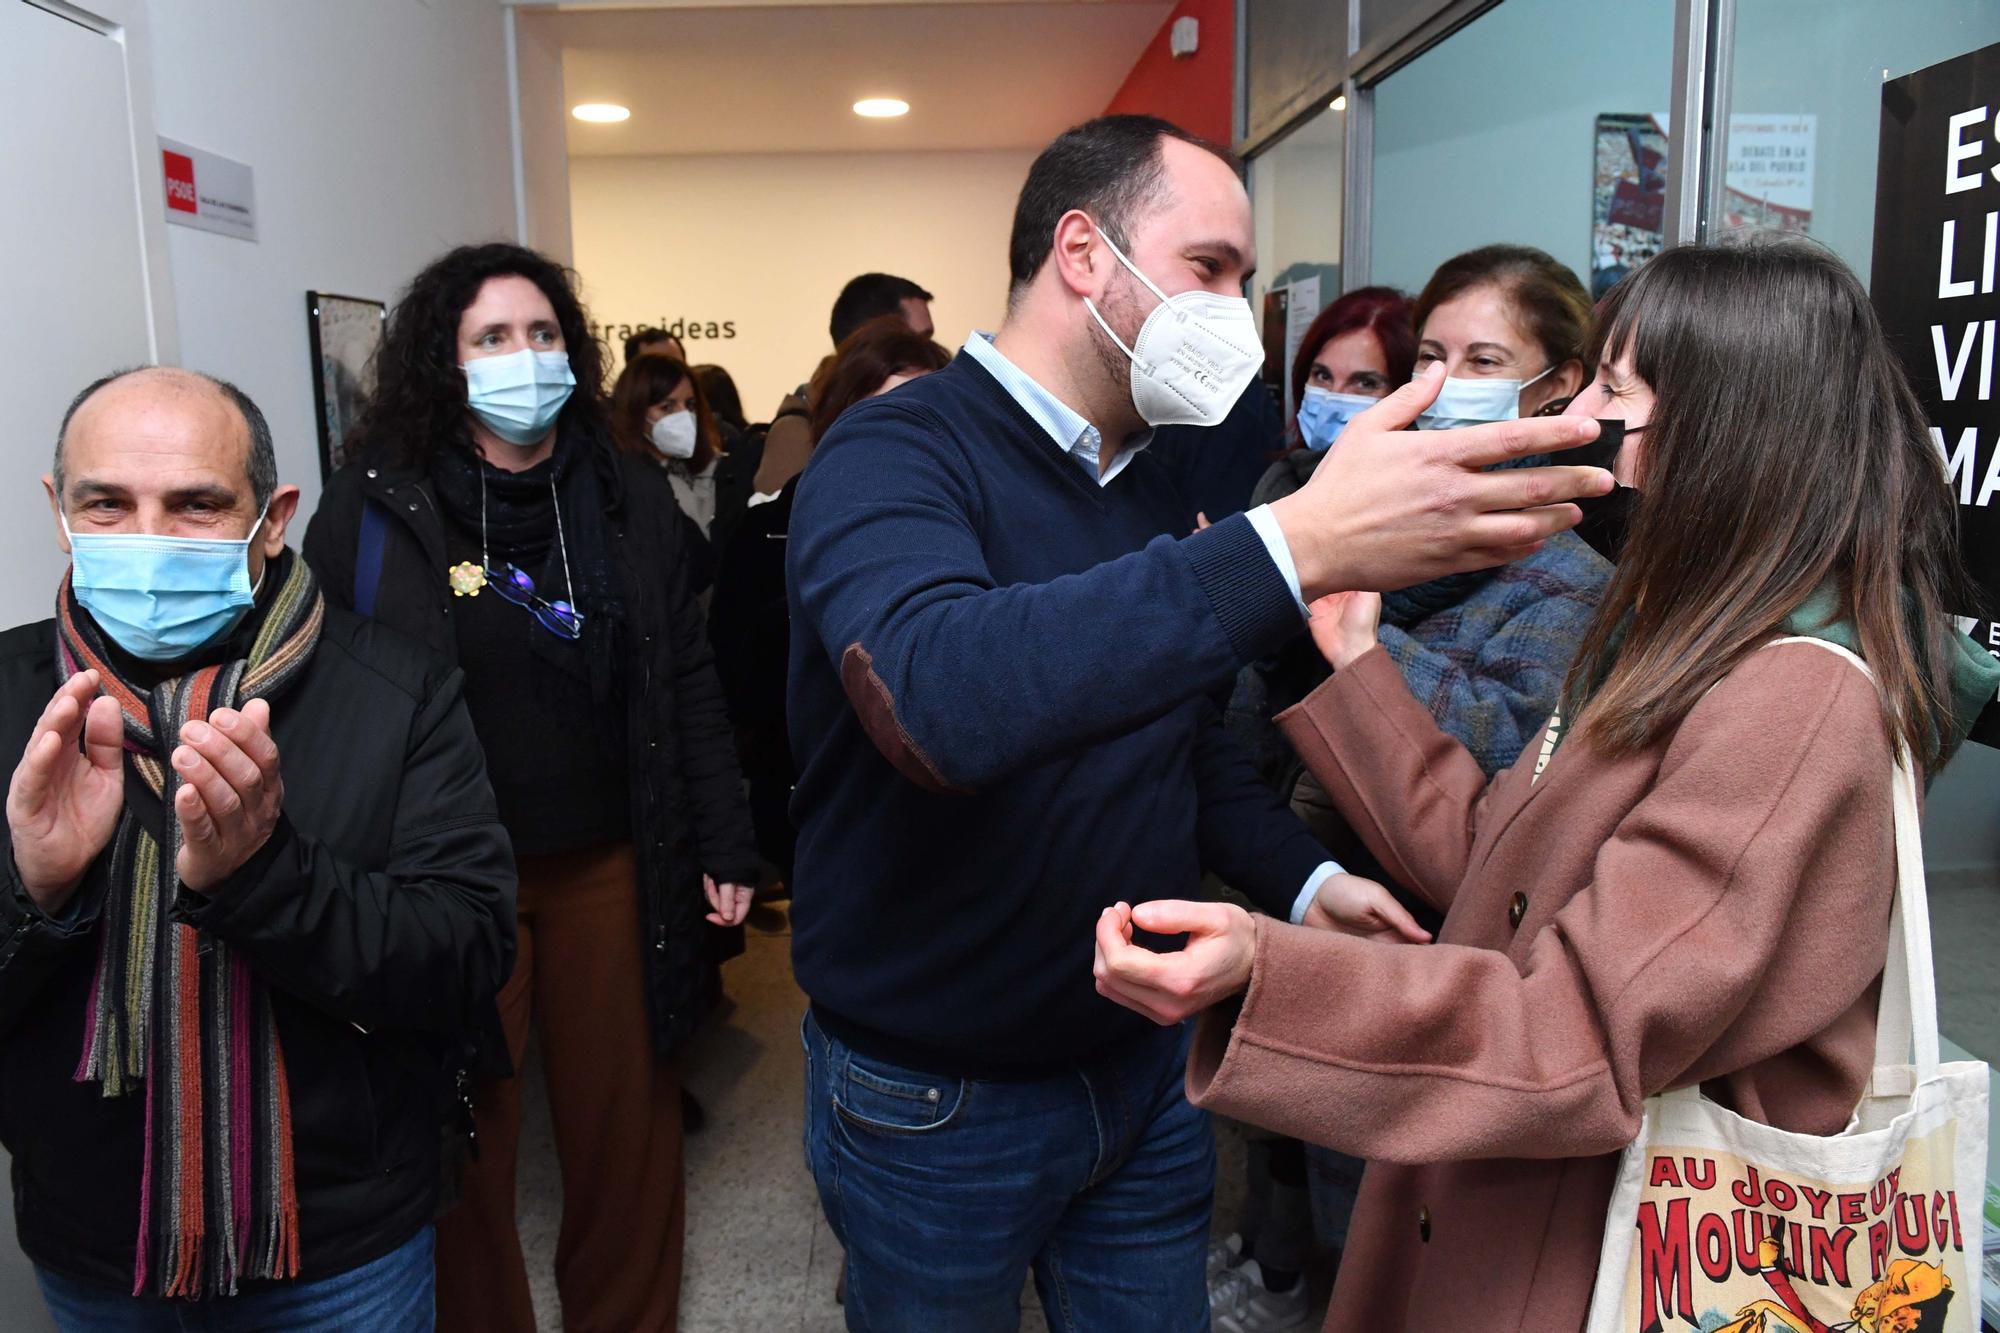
[378,131]
[766,241]
[544,133]
[1295,202]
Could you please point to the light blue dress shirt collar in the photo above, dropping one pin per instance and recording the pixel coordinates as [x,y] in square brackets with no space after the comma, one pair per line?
[1072,434]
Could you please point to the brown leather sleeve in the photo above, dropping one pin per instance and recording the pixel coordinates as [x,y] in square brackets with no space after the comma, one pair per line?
[876,708]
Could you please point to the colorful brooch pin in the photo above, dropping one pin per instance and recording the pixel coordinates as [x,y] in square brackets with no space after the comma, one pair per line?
[467,579]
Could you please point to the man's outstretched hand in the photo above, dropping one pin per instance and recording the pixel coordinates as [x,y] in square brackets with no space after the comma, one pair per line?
[1393,507]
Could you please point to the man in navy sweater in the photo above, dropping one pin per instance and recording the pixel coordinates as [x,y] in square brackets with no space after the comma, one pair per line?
[1004,650]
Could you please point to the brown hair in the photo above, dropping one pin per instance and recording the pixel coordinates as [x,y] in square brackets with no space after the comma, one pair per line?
[1785,454]
[882,347]
[1383,311]
[645,382]
[1552,302]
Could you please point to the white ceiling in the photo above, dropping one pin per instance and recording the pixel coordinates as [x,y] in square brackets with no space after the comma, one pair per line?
[782,79]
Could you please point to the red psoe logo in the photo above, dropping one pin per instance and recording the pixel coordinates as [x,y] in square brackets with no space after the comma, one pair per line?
[180,181]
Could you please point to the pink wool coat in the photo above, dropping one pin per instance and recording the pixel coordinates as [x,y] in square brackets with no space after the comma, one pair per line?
[1715,909]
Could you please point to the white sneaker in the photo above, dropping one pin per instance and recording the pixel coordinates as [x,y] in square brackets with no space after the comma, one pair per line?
[1238,1302]
[1224,1254]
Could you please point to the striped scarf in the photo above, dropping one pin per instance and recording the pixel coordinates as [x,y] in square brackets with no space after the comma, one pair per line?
[179,1011]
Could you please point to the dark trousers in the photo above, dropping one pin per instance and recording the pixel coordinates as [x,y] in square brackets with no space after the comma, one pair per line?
[579,979]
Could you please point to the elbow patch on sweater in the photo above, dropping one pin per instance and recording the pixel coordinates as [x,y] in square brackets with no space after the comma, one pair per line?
[876,708]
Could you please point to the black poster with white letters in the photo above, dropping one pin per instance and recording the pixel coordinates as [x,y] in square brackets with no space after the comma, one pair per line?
[1937,288]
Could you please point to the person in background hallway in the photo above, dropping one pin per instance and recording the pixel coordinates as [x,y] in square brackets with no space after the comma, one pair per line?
[723,399]
[250,849]
[1353,355]
[489,515]
[748,620]
[869,296]
[873,295]
[1684,879]
[654,342]
[1004,643]
[659,414]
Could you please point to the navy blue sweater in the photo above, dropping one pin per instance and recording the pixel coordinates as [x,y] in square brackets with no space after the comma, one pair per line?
[999,703]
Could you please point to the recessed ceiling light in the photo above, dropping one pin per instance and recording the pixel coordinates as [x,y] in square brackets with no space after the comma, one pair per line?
[881,108]
[602,113]
[1339,103]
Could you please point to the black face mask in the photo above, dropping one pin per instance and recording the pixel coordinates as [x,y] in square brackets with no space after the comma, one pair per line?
[1606,518]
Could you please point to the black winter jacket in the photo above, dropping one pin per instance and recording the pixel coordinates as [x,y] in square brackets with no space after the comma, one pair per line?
[380,914]
[688,809]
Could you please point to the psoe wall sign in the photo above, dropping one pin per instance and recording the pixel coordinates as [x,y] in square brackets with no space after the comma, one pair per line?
[209,192]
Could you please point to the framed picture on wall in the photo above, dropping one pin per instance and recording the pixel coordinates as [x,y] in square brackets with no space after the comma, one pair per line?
[345,331]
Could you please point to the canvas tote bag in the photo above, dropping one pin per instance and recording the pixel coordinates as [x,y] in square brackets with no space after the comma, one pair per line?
[1728,1226]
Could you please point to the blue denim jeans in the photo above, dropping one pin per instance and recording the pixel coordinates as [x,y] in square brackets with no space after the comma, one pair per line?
[392,1294]
[947,1191]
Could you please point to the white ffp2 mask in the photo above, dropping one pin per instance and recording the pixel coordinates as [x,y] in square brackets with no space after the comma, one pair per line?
[673,434]
[1194,356]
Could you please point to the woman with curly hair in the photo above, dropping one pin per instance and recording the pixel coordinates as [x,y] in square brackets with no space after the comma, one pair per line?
[489,515]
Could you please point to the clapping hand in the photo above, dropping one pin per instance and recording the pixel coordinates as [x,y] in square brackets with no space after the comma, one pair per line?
[64,800]
[231,793]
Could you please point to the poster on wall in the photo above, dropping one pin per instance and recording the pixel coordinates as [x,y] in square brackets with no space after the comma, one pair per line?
[1629,197]
[1768,184]
[1937,213]
[345,331]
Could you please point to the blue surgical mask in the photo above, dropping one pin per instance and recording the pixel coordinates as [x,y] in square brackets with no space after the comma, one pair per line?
[161,598]
[520,395]
[1323,414]
[1471,402]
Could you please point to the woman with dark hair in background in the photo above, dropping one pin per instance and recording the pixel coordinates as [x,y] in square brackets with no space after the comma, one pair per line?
[1356,351]
[660,414]
[1686,876]
[723,399]
[490,516]
[1486,652]
[749,621]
